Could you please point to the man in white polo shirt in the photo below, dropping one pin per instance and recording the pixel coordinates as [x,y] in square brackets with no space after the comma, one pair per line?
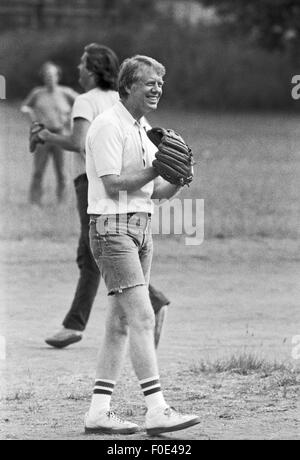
[122,184]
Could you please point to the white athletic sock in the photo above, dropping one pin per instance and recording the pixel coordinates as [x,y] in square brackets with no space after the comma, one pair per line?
[152,392]
[102,393]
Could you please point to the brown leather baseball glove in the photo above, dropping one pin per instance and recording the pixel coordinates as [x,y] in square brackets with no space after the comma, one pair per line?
[174,159]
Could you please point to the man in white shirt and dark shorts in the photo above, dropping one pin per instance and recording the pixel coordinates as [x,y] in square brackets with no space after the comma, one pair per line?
[122,184]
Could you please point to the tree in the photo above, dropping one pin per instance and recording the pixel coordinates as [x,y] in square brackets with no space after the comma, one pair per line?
[274,24]
[133,11]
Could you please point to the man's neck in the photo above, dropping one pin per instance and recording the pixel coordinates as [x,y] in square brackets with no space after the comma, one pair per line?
[136,114]
[89,86]
[52,89]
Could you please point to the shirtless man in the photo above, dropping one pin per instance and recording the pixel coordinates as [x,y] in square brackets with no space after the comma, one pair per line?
[51,105]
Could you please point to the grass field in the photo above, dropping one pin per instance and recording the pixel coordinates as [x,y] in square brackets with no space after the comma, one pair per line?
[247,172]
[226,352]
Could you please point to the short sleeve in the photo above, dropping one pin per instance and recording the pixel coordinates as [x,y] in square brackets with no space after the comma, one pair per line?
[82,108]
[106,147]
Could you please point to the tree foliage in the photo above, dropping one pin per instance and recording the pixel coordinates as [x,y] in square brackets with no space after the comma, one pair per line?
[274,24]
[128,10]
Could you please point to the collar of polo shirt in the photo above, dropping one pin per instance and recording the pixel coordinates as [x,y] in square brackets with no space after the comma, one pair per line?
[130,119]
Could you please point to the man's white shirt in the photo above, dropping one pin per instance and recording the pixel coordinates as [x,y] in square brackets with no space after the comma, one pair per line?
[92,103]
[117,144]
[88,106]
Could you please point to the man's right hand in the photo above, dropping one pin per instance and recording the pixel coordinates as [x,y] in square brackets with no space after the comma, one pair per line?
[45,135]
[34,136]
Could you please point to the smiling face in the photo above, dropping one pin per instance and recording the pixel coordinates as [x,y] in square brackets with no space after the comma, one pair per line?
[145,93]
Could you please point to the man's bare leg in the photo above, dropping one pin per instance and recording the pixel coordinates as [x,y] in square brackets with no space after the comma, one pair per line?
[137,312]
[160,418]
[111,355]
[160,318]
[100,419]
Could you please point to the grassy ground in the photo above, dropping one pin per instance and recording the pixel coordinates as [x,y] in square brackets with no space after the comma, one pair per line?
[247,172]
[226,352]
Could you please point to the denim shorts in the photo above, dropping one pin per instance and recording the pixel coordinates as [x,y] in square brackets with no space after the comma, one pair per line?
[122,247]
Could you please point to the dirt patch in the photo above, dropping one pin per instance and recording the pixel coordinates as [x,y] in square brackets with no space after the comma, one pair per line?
[230,299]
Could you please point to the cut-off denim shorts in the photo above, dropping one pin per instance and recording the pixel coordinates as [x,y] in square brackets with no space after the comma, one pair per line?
[122,247]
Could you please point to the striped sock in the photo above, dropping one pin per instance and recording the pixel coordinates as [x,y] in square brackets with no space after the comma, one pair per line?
[102,393]
[152,392]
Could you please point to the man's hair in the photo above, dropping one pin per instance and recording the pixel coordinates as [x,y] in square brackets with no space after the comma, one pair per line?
[130,72]
[104,64]
[50,64]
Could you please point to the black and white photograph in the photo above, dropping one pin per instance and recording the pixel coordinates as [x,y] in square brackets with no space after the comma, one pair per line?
[149,222]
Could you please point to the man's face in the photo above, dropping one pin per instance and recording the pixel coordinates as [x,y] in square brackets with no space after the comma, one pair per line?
[144,95]
[84,73]
[51,75]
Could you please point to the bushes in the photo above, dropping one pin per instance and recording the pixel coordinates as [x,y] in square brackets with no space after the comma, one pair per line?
[203,69]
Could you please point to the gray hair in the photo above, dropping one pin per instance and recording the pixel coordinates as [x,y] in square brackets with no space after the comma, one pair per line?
[130,71]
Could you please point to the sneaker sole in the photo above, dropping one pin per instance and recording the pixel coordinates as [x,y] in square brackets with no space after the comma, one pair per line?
[182,426]
[63,343]
[111,430]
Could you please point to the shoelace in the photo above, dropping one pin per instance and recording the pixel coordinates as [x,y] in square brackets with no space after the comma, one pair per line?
[112,415]
[170,411]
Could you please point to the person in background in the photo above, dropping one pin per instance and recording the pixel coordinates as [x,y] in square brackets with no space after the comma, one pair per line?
[50,105]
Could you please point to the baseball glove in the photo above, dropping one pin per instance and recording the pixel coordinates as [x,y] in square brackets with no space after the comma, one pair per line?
[34,138]
[174,159]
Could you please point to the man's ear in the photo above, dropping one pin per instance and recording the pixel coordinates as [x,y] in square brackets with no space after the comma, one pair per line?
[128,90]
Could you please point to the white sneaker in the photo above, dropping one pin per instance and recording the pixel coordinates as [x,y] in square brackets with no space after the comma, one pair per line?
[108,422]
[165,419]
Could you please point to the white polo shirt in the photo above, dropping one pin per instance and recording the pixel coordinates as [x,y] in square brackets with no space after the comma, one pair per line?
[117,144]
[88,106]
